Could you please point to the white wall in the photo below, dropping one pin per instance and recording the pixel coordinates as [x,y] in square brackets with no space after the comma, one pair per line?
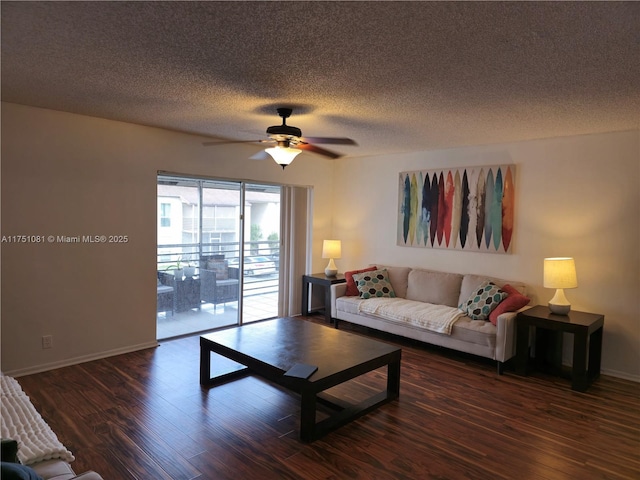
[65,174]
[576,196]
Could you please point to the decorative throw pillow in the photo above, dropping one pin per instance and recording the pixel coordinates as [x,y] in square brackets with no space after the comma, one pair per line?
[515,301]
[374,284]
[481,302]
[220,267]
[15,471]
[352,290]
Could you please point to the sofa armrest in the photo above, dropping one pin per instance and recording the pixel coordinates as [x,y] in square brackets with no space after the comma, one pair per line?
[90,475]
[337,290]
[506,335]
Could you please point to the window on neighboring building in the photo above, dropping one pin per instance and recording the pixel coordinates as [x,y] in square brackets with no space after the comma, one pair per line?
[165,214]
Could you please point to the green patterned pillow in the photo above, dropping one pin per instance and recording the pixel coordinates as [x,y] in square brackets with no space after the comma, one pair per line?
[483,300]
[374,284]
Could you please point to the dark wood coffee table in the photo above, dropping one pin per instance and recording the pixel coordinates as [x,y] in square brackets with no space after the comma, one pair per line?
[272,347]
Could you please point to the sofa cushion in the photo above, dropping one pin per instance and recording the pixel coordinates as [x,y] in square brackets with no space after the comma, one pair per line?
[483,300]
[348,304]
[352,289]
[374,284]
[478,332]
[515,301]
[430,286]
[220,267]
[164,289]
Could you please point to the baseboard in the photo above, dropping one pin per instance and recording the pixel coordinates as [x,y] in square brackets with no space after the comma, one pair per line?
[142,346]
[623,375]
[610,373]
[76,360]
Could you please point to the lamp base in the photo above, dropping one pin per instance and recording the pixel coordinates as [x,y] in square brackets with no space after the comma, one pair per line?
[330,273]
[559,303]
[331,270]
[559,309]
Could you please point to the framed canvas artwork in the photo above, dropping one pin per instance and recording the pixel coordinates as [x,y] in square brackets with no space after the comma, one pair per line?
[466,208]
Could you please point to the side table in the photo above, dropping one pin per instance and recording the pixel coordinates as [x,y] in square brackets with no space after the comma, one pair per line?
[587,331]
[322,280]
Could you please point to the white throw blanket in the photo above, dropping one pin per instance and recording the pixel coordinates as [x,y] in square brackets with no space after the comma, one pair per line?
[437,318]
[22,422]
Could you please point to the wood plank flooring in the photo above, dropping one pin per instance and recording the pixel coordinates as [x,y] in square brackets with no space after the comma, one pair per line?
[144,416]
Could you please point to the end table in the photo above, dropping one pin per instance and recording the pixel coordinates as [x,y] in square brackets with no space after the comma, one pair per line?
[324,281]
[587,331]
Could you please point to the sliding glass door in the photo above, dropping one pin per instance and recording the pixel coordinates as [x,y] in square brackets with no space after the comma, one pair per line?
[218,254]
[261,252]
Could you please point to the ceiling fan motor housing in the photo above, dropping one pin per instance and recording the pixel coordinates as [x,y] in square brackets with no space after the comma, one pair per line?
[284,129]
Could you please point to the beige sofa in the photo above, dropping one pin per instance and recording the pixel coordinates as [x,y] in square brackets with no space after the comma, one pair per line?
[478,337]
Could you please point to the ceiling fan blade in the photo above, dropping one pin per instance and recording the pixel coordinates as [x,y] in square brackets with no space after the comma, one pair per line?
[329,140]
[320,151]
[226,142]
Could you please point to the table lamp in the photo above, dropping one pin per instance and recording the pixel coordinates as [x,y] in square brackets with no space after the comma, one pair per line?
[331,249]
[560,273]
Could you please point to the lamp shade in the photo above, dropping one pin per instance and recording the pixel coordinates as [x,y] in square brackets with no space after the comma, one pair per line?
[283,156]
[560,272]
[331,249]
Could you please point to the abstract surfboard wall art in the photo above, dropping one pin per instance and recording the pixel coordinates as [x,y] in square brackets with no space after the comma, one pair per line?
[466,208]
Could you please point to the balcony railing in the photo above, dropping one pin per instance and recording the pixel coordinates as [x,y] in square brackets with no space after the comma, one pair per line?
[180,255]
[210,224]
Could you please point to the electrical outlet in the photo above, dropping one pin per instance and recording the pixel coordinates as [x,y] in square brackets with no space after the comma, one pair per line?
[47,341]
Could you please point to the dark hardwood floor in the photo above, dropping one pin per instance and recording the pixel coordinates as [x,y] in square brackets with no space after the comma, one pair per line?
[144,416]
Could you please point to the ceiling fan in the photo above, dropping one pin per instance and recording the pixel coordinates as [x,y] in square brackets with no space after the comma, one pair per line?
[289,141]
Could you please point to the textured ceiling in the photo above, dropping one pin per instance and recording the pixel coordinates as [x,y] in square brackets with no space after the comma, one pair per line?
[394,76]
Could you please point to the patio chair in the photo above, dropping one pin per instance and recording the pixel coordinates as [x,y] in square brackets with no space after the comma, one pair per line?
[218,282]
[165,301]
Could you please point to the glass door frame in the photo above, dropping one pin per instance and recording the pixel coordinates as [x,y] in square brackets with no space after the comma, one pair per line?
[243,228]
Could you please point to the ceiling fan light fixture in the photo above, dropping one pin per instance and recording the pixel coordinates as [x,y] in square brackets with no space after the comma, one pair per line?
[283,156]
[285,135]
